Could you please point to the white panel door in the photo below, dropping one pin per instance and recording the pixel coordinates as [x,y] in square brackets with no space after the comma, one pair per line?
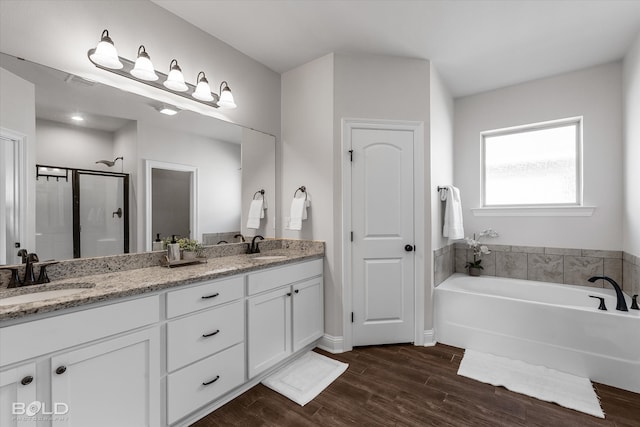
[18,395]
[308,312]
[383,236]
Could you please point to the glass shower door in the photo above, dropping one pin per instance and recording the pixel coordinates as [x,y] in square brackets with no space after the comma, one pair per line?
[101,203]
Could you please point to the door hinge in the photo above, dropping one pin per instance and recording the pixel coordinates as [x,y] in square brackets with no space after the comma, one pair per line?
[352,317]
[352,236]
[351,155]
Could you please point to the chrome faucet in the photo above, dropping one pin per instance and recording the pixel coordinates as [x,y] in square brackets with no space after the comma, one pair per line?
[621,304]
[253,246]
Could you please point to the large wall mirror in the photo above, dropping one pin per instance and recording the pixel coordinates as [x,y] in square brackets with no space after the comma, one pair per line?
[91,132]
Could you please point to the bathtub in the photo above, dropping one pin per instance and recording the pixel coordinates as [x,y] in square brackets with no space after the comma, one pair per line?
[557,326]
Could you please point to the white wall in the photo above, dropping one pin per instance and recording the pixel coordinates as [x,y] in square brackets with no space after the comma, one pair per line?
[18,114]
[60,144]
[217,161]
[441,153]
[316,97]
[631,151]
[306,158]
[594,93]
[58,33]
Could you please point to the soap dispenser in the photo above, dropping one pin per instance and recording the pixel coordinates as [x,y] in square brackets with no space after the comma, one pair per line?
[173,249]
[157,245]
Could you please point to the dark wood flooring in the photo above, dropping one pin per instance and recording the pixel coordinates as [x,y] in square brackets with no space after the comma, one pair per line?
[404,385]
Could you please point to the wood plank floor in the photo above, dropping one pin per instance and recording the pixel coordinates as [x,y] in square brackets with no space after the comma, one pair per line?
[405,385]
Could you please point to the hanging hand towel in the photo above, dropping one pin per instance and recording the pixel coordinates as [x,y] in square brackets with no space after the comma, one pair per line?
[453,227]
[256,211]
[298,213]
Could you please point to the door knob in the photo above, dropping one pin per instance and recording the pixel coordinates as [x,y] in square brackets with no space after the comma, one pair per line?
[408,248]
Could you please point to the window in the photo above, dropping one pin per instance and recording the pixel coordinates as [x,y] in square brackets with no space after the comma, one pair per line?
[534,165]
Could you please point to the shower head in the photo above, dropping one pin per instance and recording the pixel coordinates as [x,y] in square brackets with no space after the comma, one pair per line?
[110,163]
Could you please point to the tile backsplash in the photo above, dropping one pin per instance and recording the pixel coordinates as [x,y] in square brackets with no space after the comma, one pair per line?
[558,265]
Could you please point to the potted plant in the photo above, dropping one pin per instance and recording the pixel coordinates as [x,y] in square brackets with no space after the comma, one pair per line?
[475,267]
[190,248]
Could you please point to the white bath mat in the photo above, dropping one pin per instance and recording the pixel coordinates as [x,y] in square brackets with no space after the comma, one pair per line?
[540,382]
[304,378]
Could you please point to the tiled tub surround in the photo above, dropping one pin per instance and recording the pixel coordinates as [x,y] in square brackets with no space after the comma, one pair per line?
[557,265]
[135,274]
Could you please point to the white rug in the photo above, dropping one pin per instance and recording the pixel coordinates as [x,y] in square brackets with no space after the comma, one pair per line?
[304,378]
[540,382]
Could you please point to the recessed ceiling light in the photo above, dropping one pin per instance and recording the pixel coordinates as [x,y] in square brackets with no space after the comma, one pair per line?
[77,118]
[167,109]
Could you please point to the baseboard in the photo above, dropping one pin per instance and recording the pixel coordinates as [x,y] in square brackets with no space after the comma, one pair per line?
[429,338]
[331,344]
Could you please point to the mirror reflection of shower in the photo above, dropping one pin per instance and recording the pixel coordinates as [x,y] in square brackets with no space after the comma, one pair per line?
[111,163]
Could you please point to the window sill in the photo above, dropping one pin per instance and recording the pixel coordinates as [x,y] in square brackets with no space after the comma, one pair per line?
[535,211]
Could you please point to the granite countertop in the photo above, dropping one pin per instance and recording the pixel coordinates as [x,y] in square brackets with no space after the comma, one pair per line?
[112,285]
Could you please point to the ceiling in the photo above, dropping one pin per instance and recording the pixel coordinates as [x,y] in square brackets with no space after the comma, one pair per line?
[476,45]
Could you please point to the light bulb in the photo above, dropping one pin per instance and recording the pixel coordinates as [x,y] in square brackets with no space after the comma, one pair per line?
[143,68]
[105,54]
[203,91]
[175,79]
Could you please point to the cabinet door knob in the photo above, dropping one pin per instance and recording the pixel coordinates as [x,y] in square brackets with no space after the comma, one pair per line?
[26,380]
[211,296]
[217,331]
[288,294]
[212,381]
[61,370]
[296,291]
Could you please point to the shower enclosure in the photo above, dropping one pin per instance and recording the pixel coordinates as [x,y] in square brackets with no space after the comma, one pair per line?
[81,213]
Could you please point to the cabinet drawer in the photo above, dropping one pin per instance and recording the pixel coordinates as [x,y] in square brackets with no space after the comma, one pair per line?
[186,340]
[67,330]
[186,391]
[275,277]
[203,296]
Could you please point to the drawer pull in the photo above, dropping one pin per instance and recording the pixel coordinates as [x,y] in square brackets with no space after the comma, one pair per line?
[61,370]
[212,381]
[26,380]
[211,334]
[211,296]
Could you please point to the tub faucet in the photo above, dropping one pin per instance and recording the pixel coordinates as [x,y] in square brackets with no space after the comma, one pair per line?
[621,304]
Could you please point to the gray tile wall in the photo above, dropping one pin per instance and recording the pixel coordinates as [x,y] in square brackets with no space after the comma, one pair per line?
[559,265]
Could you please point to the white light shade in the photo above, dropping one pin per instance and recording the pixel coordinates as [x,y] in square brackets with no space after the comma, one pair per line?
[203,91]
[175,79]
[106,54]
[226,99]
[143,68]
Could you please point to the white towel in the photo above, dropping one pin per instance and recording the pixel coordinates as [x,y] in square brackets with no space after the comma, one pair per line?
[298,213]
[453,227]
[256,211]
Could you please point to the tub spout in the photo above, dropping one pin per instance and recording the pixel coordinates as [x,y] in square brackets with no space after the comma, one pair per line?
[621,304]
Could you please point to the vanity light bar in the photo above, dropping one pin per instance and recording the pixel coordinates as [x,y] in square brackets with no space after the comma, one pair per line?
[191,92]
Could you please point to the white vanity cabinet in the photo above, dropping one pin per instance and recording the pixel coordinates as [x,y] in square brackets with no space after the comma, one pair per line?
[205,344]
[285,312]
[17,391]
[98,367]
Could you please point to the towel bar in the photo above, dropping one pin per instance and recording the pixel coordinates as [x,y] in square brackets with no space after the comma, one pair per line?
[303,189]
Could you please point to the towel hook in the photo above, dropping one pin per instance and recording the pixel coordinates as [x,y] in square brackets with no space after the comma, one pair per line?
[261,191]
[303,189]
[442,188]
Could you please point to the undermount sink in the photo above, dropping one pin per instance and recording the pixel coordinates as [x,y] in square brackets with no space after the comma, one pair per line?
[269,257]
[45,294]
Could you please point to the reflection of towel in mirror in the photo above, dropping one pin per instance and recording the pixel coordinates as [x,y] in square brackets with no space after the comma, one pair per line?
[298,213]
[256,211]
